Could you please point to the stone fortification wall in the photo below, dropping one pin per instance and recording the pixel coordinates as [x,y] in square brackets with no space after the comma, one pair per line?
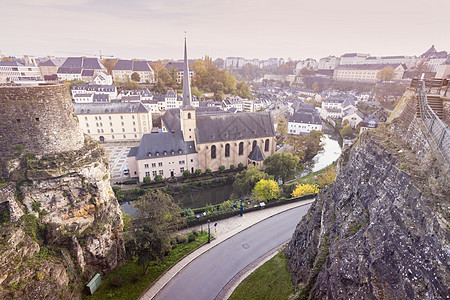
[38,118]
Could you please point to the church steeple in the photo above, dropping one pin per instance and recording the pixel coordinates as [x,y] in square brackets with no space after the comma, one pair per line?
[187,111]
[187,97]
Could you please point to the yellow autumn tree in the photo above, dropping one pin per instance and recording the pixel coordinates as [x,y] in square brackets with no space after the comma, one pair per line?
[266,190]
[304,189]
[326,177]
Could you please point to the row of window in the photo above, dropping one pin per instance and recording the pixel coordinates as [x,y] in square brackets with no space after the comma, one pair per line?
[109,117]
[161,172]
[160,164]
[101,131]
[241,148]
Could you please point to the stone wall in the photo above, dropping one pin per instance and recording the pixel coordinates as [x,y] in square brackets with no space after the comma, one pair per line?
[39,118]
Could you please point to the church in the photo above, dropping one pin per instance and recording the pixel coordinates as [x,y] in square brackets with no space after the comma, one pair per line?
[194,139]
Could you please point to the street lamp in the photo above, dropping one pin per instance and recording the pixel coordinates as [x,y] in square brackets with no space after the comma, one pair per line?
[209,233]
[242,208]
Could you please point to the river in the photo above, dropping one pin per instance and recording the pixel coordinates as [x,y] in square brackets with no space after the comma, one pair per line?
[331,152]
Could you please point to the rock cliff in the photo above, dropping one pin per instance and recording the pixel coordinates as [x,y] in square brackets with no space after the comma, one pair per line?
[381,231]
[60,221]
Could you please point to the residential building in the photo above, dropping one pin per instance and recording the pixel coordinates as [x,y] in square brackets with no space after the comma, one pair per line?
[328,63]
[118,121]
[235,62]
[135,95]
[303,122]
[365,73]
[353,116]
[80,68]
[49,67]
[3,78]
[332,106]
[308,63]
[110,90]
[123,70]
[234,102]
[180,71]
[369,122]
[164,153]
[20,73]
[103,78]
[218,139]
[434,58]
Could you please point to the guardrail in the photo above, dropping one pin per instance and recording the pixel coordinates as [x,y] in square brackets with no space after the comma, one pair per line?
[436,128]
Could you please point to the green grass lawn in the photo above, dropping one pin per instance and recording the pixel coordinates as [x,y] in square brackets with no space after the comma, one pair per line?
[132,290]
[311,178]
[271,281]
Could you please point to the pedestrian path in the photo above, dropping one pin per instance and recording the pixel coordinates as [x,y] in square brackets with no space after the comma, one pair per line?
[224,230]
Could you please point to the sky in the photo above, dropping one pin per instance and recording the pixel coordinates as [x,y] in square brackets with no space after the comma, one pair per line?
[155,29]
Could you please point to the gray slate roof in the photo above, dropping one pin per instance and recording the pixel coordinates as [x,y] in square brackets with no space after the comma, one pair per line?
[161,145]
[176,65]
[133,65]
[305,118]
[109,108]
[228,127]
[256,154]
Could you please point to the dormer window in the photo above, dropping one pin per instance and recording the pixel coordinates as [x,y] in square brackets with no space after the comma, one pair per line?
[165,152]
[149,154]
[157,153]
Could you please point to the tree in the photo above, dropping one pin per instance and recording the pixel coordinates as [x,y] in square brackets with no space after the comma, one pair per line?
[346,131]
[246,180]
[266,190]
[281,166]
[282,126]
[158,217]
[305,146]
[304,189]
[109,64]
[221,168]
[159,87]
[243,90]
[198,172]
[158,178]
[6,59]
[186,173]
[147,179]
[135,77]
[386,74]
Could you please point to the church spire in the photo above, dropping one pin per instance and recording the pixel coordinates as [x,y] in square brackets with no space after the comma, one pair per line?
[187,97]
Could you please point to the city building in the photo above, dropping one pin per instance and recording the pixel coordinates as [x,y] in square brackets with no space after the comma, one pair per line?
[114,121]
[235,62]
[309,63]
[369,122]
[365,73]
[80,68]
[123,70]
[328,63]
[49,67]
[443,70]
[217,139]
[20,73]
[103,78]
[91,89]
[234,102]
[434,58]
[353,58]
[302,122]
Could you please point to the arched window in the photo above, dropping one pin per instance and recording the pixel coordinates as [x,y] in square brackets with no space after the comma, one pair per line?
[227,150]
[266,145]
[213,151]
[189,115]
[241,148]
[254,145]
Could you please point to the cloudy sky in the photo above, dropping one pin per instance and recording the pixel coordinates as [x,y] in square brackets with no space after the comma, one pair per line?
[154,29]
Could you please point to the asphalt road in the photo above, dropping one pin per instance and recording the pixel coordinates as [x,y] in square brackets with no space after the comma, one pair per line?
[205,277]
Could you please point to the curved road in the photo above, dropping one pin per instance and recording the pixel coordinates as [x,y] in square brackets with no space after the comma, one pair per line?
[205,277]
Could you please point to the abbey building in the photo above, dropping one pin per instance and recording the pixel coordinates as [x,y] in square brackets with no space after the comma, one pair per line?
[196,139]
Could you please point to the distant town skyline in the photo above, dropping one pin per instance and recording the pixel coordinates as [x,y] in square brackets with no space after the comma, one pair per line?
[251,29]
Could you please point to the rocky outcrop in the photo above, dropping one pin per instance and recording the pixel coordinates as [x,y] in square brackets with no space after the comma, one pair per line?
[381,230]
[60,221]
